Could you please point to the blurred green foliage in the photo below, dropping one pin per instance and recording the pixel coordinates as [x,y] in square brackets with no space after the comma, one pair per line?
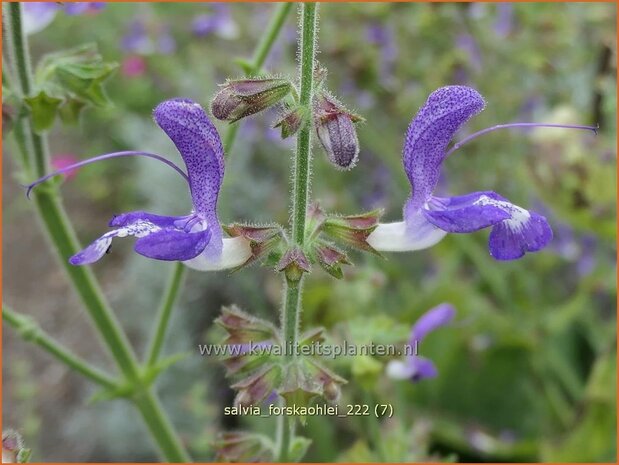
[528,370]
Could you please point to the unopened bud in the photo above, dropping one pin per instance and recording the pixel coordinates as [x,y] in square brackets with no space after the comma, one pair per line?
[240,98]
[294,263]
[331,259]
[332,391]
[13,450]
[241,447]
[291,122]
[336,131]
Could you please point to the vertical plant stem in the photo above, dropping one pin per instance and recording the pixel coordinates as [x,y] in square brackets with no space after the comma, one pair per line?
[303,155]
[165,312]
[291,310]
[62,236]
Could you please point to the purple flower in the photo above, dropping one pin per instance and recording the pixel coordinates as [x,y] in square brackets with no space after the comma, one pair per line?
[220,23]
[146,39]
[504,22]
[427,218]
[384,38]
[79,8]
[38,15]
[468,44]
[415,367]
[196,238]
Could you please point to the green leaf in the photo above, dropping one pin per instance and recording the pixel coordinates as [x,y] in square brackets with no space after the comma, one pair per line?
[86,80]
[151,373]
[298,448]
[23,456]
[78,73]
[43,108]
[70,111]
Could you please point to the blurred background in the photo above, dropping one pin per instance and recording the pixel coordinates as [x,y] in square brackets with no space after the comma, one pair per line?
[527,372]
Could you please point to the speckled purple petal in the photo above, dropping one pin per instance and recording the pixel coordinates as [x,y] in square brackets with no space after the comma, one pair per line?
[161,237]
[428,135]
[173,245]
[162,221]
[524,232]
[434,318]
[197,140]
[138,228]
[466,213]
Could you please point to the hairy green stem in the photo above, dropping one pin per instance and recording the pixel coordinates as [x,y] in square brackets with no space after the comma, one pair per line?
[291,310]
[260,55]
[30,331]
[303,156]
[61,234]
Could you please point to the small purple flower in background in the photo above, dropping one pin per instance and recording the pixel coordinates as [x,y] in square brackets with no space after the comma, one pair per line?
[504,22]
[375,194]
[220,23]
[577,248]
[80,8]
[38,15]
[146,39]
[133,66]
[194,239]
[384,37]
[415,367]
[427,218]
[468,44]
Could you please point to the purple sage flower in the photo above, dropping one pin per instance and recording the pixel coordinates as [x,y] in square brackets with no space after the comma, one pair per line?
[146,39]
[468,44]
[428,218]
[194,239]
[79,8]
[220,23]
[414,367]
[504,22]
[384,38]
[38,15]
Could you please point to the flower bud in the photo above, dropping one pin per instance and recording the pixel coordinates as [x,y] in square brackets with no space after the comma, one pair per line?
[240,98]
[246,332]
[13,450]
[330,259]
[291,122]
[336,131]
[241,447]
[294,263]
[257,387]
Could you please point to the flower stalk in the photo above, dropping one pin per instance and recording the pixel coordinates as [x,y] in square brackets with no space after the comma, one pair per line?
[301,179]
